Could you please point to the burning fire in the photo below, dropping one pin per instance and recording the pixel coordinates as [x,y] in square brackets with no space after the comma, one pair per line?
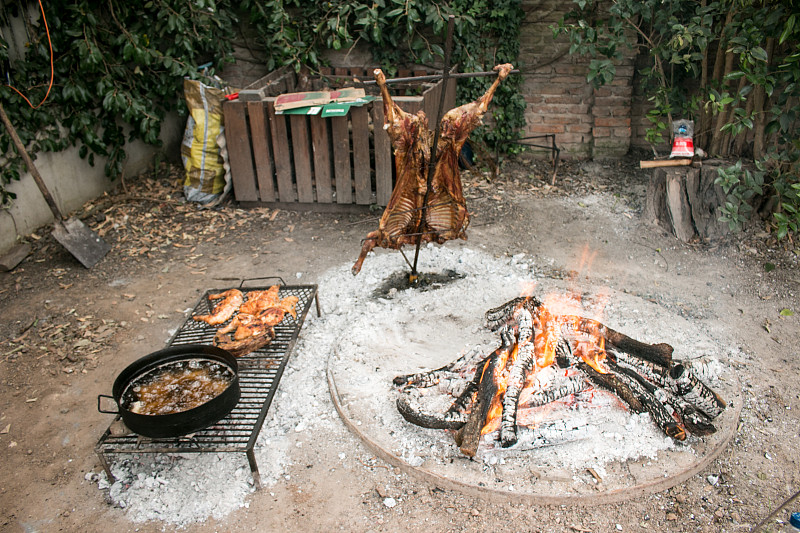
[548,328]
[550,350]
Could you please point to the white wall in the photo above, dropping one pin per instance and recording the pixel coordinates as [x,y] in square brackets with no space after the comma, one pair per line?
[72,183]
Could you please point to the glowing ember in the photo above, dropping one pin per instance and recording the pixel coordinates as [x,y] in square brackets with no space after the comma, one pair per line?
[583,350]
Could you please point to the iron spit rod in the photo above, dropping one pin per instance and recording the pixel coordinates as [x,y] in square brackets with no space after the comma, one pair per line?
[435,77]
[448,46]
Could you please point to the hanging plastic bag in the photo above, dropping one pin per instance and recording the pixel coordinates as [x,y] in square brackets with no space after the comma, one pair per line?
[682,143]
[205,175]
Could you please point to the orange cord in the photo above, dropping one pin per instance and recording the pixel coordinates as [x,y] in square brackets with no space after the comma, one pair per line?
[52,71]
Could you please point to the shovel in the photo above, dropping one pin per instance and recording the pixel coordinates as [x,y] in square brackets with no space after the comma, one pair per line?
[74,235]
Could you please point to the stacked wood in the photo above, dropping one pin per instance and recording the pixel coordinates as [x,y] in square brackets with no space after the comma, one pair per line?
[642,375]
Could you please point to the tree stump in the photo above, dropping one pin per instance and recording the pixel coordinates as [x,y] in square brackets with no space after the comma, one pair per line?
[685,201]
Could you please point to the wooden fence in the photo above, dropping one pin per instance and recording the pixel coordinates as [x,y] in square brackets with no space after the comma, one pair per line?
[327,163]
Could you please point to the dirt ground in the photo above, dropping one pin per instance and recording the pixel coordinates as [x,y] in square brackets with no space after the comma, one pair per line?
[68,331]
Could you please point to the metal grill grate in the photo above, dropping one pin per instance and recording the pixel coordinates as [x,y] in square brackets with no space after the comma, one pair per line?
[259,374]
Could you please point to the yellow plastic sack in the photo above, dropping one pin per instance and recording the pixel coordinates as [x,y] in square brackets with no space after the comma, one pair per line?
[205,175]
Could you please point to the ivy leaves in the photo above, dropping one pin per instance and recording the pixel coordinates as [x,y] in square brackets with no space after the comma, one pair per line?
[295,32]
[746,102]
[119,68]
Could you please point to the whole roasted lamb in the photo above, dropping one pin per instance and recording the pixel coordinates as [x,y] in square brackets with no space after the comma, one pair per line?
[445,213]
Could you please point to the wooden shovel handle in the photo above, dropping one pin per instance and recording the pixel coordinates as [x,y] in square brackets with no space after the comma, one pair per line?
[29,162]
[666,163]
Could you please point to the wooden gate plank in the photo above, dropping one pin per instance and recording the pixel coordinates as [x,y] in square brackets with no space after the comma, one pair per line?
[260,137]
[450,94]
[301,149]
[280,151]
[383,155]
[361,167]
[409,104]
[240,157]
[430,104]
[322,159]
[341,160]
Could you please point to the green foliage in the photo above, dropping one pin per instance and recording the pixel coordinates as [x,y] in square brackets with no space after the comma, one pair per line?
[402,32]
[294,32]
[494,39]
[672,34]
[740,185]
[119,68]
[730,65]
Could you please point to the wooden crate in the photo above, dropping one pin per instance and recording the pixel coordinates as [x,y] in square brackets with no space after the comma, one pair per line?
[305,159]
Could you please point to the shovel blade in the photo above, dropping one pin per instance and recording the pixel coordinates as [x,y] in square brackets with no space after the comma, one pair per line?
[80,241]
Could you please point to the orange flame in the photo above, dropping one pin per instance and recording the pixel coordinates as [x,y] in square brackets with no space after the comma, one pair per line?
[548,325]
[500,378]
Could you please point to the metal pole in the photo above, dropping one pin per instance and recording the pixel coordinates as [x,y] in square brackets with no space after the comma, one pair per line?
[434,77]
[448,46]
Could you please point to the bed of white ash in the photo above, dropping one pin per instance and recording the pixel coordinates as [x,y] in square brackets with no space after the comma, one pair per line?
[369,340]
[585,446]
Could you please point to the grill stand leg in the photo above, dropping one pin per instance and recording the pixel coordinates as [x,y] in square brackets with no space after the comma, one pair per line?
[251,458]
[106,467]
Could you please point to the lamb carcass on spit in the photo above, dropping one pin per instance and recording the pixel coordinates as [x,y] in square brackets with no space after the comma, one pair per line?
[446,214]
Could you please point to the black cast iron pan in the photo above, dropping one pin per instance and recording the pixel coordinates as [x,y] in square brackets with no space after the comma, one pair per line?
[185,422]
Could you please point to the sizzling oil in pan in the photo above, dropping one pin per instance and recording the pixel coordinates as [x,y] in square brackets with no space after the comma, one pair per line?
[176,387]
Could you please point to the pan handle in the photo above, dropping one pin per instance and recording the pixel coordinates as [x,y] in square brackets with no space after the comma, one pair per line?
[245,280]
[99,407]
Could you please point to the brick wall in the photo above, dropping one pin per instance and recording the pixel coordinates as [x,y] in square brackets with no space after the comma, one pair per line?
[587,122]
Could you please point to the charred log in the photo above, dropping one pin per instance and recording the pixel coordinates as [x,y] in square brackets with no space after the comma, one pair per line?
[520,368]
[469,436]
[422,380]
[696,392]
[645,392]
[557,391]
[695,422]
[664,388]
[660,354]
[651,371]
[455,417]
[611,382]
[416,414]
[467,396]
[641,375]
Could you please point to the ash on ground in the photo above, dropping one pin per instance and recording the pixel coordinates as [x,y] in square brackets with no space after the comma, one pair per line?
[358,331]
[425,281]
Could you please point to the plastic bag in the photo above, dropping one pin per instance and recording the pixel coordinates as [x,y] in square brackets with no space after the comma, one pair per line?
[205,180]
[682,143]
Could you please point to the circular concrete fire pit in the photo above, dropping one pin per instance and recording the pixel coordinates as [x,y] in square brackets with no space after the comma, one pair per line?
[588,451]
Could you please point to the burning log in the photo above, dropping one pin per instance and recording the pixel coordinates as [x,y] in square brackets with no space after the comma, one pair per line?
[532,338]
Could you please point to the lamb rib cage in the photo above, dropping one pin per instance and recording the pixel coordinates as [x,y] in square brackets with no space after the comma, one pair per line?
[259,375]
[416,213]
[642,375]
